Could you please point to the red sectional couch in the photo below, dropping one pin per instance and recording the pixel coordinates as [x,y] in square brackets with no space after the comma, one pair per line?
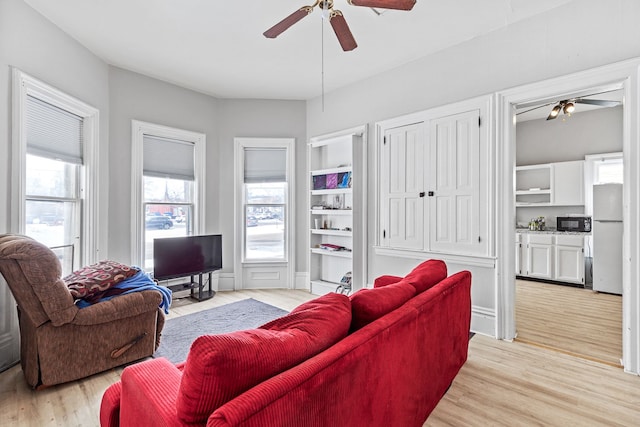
[382,357]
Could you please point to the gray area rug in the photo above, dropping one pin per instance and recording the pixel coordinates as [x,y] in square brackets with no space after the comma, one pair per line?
[179,333]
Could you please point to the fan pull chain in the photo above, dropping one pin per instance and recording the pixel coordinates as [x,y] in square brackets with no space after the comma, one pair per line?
[322,60]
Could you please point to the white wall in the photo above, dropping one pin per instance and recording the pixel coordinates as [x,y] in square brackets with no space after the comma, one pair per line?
[36,46]
[590,132]
[134,96]
[266,119]
[548,141]
[31,43]
[526,52]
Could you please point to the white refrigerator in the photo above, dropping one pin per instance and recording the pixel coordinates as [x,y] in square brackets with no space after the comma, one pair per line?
[607,229]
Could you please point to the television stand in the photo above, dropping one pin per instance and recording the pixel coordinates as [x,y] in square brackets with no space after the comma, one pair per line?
[198,291]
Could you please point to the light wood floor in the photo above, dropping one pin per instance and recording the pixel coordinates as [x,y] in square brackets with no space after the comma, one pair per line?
[516,384]
[502,383]
[577,321]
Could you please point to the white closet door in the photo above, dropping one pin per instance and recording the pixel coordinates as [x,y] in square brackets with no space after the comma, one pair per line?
[454,183]
[403,170]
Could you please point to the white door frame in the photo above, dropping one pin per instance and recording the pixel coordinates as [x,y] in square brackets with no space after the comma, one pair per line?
[625,76]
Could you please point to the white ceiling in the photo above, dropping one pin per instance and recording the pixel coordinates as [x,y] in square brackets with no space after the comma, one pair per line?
[217,47]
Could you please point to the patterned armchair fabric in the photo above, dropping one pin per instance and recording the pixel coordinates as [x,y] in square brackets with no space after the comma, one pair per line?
[60,342]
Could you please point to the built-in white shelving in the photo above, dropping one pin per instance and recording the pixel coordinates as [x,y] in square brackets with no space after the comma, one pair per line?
[336,210]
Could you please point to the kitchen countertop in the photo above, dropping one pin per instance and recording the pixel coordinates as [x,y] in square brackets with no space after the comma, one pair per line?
[553,231]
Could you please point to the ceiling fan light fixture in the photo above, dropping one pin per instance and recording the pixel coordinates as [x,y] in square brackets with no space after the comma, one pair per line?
[555,111]
[326,7]
[569,107]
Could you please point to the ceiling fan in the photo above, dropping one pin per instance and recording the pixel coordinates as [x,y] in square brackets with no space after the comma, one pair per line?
[568,106]
[336,18]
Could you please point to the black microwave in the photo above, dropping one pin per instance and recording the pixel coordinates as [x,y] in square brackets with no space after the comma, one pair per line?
[574,223]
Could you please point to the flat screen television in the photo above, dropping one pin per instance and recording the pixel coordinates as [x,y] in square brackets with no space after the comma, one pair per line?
[184,256]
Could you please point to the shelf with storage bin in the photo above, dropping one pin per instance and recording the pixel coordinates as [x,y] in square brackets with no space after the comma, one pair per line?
[331,211]
[331,232]
[326,252]
[338,170]
[331,191]
[323,286]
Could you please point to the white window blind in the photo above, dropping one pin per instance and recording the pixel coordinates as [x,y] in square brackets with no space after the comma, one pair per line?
[265,165]
[53,132]
[168,158]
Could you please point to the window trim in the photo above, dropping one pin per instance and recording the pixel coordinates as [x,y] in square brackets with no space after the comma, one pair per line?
[240,265]
[138,130]
[23,85]
[239,147]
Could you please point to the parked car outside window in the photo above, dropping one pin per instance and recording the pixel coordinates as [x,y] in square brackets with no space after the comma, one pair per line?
[160,221]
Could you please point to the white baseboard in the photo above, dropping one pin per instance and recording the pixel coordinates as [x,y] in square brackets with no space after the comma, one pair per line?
[483,321]
[302,280]
[226,282]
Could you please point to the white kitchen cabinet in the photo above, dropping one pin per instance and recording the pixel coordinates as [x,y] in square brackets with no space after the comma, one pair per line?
[557,257]
[569,259]
[533,185]
[568,183]
[337,221]
[539,250]
[550,184]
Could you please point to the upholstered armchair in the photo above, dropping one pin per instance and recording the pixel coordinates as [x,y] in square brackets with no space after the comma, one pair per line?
[61,342]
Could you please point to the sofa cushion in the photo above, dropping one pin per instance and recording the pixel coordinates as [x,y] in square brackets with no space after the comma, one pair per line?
[97,277]
[220,367]
[427,274]
[368,305]
[386,280]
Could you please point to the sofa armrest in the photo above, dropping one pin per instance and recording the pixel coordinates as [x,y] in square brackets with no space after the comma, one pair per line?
[386,280]
[149,394]
[110,406]
[118,308]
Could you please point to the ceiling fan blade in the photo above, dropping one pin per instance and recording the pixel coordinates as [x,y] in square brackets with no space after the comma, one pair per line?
[534,108]
[342,31]
[600,102]
[385,4]
[287,22]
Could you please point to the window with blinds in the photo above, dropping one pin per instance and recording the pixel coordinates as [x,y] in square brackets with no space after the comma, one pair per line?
[265,203]
[52,132]
[52,178]
[168,194]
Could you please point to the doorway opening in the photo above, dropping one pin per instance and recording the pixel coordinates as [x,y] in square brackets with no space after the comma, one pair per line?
[556,152]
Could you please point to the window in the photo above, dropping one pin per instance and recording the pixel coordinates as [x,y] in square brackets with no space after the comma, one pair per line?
[264,250]
[265,202]
[608,170]
[54,188]
[167,192]
[52,207]
[168,164]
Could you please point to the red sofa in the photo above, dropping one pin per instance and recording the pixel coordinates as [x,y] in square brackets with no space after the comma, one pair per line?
[382,357]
